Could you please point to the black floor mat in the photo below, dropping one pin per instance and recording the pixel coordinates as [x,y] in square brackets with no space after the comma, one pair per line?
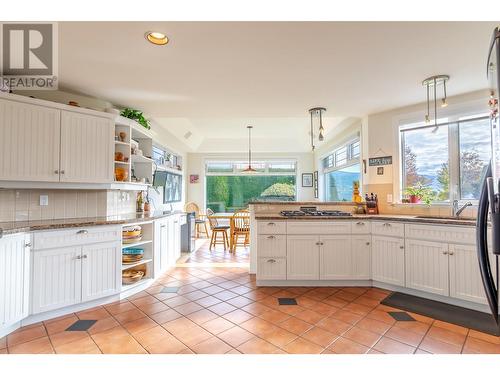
[442,311]
[81,325]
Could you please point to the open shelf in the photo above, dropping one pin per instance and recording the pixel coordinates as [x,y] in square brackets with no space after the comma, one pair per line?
[126,266]
[120,143]
[126,287]
[122,162]
[140,159]
[127,245]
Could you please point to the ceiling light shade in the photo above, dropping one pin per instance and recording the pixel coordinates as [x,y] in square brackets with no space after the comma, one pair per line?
[318,112]
[156,38]
[249,169]
[433,82]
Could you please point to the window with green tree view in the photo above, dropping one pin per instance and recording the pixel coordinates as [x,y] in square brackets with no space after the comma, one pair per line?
[449,159]
[229,189]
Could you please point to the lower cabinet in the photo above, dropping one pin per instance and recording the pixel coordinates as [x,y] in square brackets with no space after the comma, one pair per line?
[302,257]
[71,275]
[14,279]
[427,266]
[388,260]
[361,250]
[167,243]
[271,268]
[465,278]
[335,257]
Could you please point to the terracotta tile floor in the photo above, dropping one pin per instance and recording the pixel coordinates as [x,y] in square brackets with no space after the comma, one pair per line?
[218,309]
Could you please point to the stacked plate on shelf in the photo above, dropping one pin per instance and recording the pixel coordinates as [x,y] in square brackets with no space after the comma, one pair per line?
[132,255]
[132,234]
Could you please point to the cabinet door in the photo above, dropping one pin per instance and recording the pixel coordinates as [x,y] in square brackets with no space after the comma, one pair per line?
[160,246]
[427,266]
[302,261]
[465,278]
[388,260]
[57,279]
[271,268]
[177,239]
[14,280]
[29,142]
[361,249]
[101,270]
[335,257]
[87,150]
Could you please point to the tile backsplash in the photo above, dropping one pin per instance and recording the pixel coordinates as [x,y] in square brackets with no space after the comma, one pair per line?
[21,205]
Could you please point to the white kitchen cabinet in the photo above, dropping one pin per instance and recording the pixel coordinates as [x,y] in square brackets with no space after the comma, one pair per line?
[14,279]
[271,268]
[386,228]
[29,142]
[57,278]
[302,257]
[167,243]
[101,270]
[335,257]
[388,260]
[87,148]
[427,266]
[361,250]
[271,245]
[176,239]
[465,278]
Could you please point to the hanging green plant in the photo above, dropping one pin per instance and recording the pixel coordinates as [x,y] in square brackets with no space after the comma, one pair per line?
[136,115]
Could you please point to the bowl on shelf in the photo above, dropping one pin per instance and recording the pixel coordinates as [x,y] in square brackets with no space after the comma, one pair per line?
[130,232]
[130,240]
[118,156]
[132,276]
[121,174]
[131,258]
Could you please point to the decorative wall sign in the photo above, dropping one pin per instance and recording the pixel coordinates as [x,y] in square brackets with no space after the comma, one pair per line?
[380,170]
[382,160]
[194,178]
[307,180]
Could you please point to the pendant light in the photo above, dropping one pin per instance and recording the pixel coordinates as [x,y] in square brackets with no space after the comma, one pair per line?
[433,82]
[249,169]
[317,111]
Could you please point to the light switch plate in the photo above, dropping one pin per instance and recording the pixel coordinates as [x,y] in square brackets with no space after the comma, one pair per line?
[44,200]
[389,198]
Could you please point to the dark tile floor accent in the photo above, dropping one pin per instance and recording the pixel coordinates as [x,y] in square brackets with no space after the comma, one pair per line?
[287,301]
[401,316]
[81,325]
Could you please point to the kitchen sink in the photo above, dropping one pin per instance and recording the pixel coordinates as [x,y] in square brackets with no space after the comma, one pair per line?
[461,218]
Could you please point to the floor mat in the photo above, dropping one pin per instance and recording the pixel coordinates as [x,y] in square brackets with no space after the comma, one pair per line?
[442,311]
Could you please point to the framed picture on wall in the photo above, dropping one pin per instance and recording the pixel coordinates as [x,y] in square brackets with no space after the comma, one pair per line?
[307,180]
[316,193]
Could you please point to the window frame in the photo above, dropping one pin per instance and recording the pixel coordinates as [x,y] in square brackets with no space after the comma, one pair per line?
[453,125]
[239,172]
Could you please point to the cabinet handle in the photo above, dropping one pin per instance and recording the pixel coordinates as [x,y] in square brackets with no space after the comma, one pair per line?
[271,261]
[360,223]
[445,252]
[83,231]
[162,226]
[387,224]
[271,237]
[62,172]
[271,223]
[319,243]
[56,172]
[84,256]
[27,245]
[451,252]
[401,247]
[367,243]
[78,257]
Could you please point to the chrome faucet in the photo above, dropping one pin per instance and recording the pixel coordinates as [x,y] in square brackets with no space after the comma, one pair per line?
[457,211]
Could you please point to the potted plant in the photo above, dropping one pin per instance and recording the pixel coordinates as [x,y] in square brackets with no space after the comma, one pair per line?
[136,115]
[419,193]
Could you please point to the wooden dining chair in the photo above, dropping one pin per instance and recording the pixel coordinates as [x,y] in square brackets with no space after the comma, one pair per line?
[217,228]
[200,219]
[240,229]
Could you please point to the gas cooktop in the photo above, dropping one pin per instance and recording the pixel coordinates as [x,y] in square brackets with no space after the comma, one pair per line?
[315,213]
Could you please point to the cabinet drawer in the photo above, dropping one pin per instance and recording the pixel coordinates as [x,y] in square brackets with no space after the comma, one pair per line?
[271,269]
[271,227]
[271,245]
[439,233]
[76,236]
[386,228]
[361,227]
[318,227]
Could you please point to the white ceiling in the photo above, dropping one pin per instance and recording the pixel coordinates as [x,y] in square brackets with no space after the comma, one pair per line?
[214,78]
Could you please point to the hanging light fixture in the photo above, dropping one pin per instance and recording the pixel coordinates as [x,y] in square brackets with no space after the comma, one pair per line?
[317,111]
[433,82]
[249,169]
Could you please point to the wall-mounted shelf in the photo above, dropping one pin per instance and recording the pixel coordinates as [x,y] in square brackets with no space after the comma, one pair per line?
[126,266]
[127,245]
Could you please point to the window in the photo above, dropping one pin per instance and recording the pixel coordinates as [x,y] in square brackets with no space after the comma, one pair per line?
[229,189]
[342,169]
[450,159]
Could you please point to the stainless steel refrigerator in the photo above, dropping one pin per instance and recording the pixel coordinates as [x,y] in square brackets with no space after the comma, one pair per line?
[489,202]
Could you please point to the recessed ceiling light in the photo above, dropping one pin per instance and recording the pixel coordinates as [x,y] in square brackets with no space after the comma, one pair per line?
[157,38]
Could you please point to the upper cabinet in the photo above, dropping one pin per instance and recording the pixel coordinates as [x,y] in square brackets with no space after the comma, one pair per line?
[87,148]
[50,144]
[29,142]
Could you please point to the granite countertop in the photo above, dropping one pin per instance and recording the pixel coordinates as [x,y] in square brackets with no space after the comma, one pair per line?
[403,218]
[29,226]
[305,203]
